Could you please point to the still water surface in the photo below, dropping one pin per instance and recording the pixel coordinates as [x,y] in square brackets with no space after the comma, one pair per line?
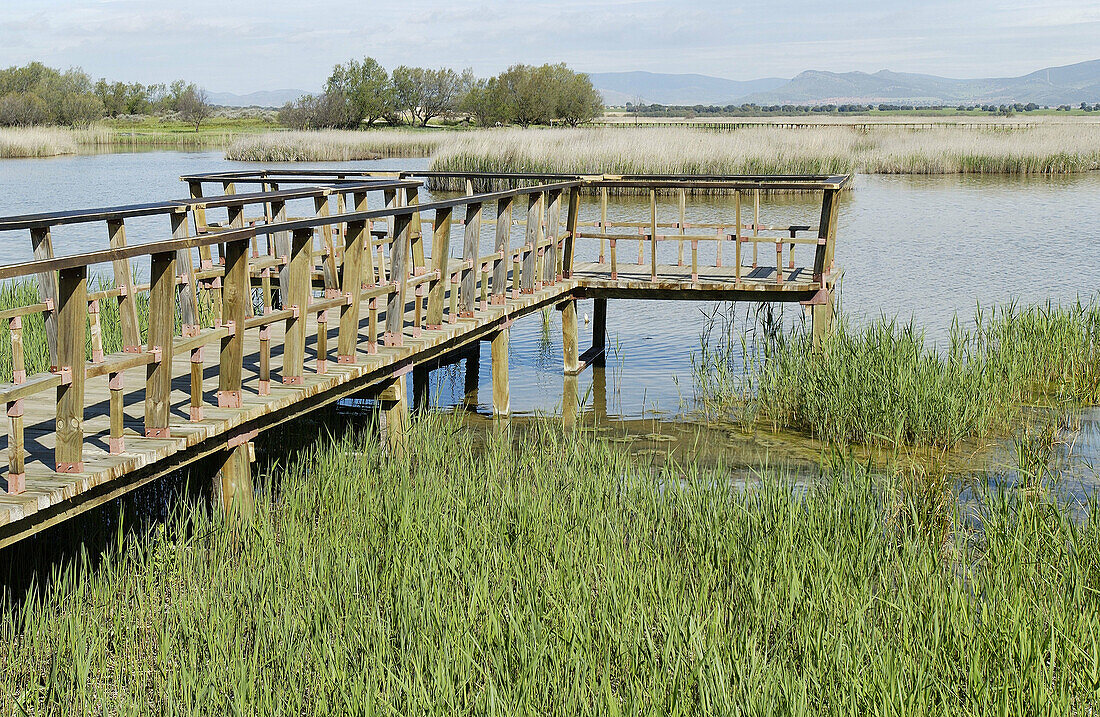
[919,248]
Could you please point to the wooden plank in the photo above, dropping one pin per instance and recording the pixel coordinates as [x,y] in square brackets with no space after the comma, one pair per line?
[502,245]
[188,289]
[162,313]
[553,223]
[569,245]
[72,316]
[127,300]
[399,261]
[42,245]
[236,296]
[297,297]
[534,219]
[470,245]
[441,250]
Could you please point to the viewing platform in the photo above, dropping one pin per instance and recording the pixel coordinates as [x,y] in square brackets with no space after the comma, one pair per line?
[272,293]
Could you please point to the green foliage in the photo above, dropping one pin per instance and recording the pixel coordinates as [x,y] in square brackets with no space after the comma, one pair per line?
[363,90]
[555,575]
[881,384]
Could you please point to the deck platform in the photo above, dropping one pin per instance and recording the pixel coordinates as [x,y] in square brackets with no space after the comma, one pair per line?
[78,454]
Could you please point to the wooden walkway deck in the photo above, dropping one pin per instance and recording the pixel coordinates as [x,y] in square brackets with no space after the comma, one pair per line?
[280,358]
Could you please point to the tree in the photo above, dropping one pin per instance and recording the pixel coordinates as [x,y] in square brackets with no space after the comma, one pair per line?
[577,100]
[364,89]
[485,102]
[192,106]
[425,93]
[524,89]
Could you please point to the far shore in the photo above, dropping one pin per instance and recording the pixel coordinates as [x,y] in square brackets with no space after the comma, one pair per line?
[891,145]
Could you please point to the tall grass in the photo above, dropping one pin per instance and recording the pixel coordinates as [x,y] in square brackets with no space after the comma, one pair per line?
[558,576]
[882,384]
[772,150]
[334,145]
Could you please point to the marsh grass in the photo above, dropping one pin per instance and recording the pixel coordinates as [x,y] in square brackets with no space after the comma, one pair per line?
[556,574]
[883,384]
[334,145]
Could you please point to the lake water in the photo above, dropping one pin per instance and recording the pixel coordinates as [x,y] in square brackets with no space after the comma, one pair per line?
[921,248]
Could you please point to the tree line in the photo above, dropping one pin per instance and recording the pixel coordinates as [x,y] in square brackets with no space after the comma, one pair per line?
[35,94]
[363,92]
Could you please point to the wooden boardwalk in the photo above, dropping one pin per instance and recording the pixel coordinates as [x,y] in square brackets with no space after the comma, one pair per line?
[294,313]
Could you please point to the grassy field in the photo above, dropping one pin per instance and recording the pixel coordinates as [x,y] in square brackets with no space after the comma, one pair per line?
[558,575]
[883,385]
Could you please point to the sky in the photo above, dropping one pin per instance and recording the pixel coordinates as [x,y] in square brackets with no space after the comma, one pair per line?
[248,45]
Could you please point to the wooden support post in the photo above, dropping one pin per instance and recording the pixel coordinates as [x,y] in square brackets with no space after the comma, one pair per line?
[279,243]
[694,259]
[534,219]
[467,285]
[614,263]
[356,244]
[570,243]
[683,209]
[653,234]
[322,341]
[328,262]
[502,245]
[416,236]
[395,407]
[603,220]
[188,291]
[499,350]
[472,377]
[264,387]
[822,319]
[127,301]
[236,295]
[737,237]
[755,224]
[72,313]
[42,245]
[199,210]
[162,314]
[95,331]
[196,384]
[551,269]
[569,401]
[421,392]
[17,476]
[395,306]
[569,336]
[116,443]
[599,332]
[372,325]
[297,300]
[233,482]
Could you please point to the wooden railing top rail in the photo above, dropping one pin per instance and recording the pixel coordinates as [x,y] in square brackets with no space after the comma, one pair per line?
[687,181]
[102,256]
[81,216]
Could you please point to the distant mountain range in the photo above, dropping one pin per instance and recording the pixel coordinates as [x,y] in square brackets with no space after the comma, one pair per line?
[269,98]
[618,88]
[1069,84]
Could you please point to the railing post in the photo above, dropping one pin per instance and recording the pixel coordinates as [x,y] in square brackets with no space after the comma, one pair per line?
[534,218]
[127,302]
[357,234]
[280,242]
[72,313]
[550,271]
[236,295]
[653,234]
[328,262]
[416,236]
[470,246]
[42,245]
[502,245]
[399,272]
[189,302]
[17,476]
[441,249]
[603,221]
[569,245]
[162,315]
[297,301]
[683,211]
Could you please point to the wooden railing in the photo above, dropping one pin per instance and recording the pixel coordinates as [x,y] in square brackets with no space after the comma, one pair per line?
[298,269]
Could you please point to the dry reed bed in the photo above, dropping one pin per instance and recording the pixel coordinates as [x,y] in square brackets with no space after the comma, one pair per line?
[1044,149]
[333,145]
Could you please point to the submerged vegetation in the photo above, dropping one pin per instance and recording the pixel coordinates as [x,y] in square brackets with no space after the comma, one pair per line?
[882,384]
[556,574]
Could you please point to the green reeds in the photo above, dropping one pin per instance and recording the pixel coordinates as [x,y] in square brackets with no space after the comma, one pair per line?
[882,384]
[557,575]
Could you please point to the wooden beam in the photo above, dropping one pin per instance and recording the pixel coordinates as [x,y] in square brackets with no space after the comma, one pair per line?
[127,300]
[499,351]
[297,301]
[470,247]
[534,218]
[42,245]
[352,287]
[569,245]
[501,246]
[162,315]
[441,250]
[399,271]
[236,295]
[569,335]
[72,317]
